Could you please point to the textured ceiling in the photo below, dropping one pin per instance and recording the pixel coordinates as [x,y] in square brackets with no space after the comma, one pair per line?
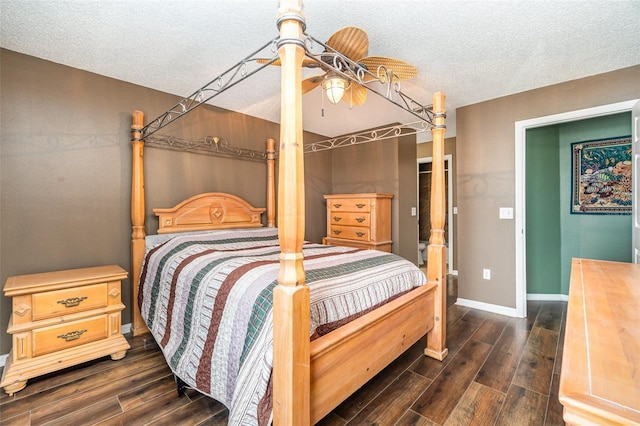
[471,50]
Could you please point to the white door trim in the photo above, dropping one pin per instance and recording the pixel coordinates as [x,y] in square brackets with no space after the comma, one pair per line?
[448,161]
[520,138]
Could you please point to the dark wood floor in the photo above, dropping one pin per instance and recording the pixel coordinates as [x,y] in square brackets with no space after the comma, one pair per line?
[500,371]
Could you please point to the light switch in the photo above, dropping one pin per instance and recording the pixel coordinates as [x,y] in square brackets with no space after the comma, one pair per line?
[414,211]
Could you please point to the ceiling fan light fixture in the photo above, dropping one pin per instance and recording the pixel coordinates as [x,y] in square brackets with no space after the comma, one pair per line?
[334,86]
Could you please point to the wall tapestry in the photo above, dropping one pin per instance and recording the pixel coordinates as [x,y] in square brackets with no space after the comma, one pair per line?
[601,181]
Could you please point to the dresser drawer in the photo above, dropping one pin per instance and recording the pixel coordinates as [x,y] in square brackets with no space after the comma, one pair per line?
[351,219]
[349,204]
[69,335]
[69,300]
[350,233]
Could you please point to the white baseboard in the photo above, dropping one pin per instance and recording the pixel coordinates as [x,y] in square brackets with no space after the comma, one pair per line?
[126,328]
[548,297]
[497,309]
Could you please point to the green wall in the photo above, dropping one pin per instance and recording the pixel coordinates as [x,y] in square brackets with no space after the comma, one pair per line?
[606,237]
[554,235]
[543,211]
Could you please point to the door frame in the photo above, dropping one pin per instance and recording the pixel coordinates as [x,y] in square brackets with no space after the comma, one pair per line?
[520,140]
[448,161]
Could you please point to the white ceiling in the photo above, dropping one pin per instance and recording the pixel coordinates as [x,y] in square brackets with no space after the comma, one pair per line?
[471,50]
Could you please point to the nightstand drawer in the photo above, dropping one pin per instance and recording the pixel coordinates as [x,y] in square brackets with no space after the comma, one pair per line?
[350,204]
[69,335]
[69,300]
[350,233]
[351,219]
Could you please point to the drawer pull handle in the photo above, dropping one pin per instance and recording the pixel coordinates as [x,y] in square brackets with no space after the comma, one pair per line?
[337,218]
[360,205]
[72,335]
[337,206]
[337,232]
[360,219]
[72,301]
[360,234]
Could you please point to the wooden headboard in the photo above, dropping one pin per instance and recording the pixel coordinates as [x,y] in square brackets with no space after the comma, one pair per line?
[211,210]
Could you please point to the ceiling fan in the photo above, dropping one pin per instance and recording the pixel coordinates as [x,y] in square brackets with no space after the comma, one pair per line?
[353,43]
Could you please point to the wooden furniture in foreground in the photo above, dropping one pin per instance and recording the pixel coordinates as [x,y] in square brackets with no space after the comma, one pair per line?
[359,220]
[600,381]
[60,319]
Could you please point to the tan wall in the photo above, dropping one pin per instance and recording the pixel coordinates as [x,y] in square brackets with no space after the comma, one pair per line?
[65,163]
[485,150]
[387,166]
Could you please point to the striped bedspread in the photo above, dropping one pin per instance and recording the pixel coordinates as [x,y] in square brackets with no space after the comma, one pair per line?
[207,299]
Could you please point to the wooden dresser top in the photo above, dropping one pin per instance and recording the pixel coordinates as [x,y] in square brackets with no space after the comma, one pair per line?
[600,378]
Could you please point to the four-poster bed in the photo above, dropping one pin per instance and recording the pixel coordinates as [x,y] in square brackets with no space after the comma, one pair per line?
[305,372]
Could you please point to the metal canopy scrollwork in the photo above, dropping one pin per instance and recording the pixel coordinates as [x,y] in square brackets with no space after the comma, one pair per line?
[368,136]
[207,145]
[380,81]
[234,75]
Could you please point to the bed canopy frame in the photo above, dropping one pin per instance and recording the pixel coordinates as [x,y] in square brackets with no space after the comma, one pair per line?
[291,363]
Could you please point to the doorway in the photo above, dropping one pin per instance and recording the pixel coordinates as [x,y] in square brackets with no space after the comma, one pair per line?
[520,140]
[424,212]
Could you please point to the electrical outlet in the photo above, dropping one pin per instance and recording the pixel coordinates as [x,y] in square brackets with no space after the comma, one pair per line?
[506,212]
[486,274]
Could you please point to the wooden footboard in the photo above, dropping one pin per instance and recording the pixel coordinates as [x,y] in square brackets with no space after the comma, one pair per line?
[345,359]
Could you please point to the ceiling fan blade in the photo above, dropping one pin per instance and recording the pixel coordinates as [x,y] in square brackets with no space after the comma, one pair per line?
[403,70]
[352,42]
[355,94]
[308,84]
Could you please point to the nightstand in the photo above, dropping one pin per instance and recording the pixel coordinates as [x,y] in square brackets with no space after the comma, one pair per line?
[60,319]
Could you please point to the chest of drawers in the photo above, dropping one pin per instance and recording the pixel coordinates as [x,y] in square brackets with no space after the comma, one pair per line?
[60,319]
[359,220]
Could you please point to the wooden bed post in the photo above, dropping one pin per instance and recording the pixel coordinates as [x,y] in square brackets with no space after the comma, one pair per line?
[291,369]
[437,251]
[271,188]
[137,219]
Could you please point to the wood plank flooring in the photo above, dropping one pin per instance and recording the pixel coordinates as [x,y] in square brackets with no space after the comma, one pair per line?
[500,371]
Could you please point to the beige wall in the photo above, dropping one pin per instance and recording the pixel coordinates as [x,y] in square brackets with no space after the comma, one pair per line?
[485,150]
[389,167]
[65,164]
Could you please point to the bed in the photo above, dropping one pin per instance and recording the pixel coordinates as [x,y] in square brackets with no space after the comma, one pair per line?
[306,365]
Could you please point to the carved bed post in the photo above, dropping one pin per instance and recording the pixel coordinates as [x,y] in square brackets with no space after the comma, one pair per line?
[437,251]
[291,371]
[271,188]
[137,218]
